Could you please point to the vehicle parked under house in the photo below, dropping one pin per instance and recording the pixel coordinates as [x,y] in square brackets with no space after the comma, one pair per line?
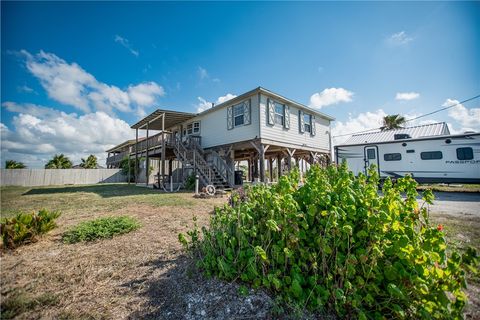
[429,153]
[268,132]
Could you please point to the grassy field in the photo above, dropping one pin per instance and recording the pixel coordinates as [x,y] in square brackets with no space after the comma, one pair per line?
[451,187]
[142,274]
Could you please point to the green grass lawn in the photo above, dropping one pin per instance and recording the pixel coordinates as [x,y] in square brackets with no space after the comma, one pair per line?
[91,198]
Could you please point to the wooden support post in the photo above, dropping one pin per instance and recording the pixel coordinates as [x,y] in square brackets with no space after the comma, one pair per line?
[163,146]
[270,168]
[249,171]
[290,153]
[279,166]
[147,164]
[135,168]
[313,156]
[261,157]
[170,169]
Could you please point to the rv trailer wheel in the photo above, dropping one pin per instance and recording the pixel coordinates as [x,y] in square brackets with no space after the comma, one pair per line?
[210,190]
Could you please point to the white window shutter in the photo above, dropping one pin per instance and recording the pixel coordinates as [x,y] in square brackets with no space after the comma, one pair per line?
[286,111]
[271,112]
[301,121]
[314,131]
[230,118]
[246,112]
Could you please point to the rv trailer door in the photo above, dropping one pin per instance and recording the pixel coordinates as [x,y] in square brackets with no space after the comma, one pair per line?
[371,157]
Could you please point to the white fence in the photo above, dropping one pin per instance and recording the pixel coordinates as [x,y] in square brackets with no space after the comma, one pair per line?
[51,177]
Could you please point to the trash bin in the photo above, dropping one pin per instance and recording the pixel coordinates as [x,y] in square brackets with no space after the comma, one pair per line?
[238,177]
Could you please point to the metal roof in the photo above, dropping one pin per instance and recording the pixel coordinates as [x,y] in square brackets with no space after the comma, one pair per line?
[124,144]
[267,92]
[428,130]
[154,119]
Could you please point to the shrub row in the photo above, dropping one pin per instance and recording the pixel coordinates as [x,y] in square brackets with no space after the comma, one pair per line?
[336,244]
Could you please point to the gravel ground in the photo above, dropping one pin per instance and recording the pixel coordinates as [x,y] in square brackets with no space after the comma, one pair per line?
[457,203]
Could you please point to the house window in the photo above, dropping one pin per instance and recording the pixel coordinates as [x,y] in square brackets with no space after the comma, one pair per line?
[307,122]
[238,115]
[279,113]
[465,153]
[196,127]
[192,128]
[392,157]
[431,155]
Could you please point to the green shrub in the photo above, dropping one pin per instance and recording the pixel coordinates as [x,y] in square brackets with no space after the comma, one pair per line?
[336,244]
[190,182]
[100,228]
[26,227]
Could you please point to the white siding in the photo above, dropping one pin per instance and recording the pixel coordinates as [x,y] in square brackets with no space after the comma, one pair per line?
[293,135]
[213,126]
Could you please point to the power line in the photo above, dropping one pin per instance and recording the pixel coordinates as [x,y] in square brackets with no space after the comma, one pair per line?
[421,116]
[453,105]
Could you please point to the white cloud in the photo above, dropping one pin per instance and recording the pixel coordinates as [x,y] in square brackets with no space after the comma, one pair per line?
[202,73]
[126,44]
[204,104]
[469,119]
[399,39]
[69,84]
[407,96]
[362,122]
[26,89]
[39,132]
[330,96]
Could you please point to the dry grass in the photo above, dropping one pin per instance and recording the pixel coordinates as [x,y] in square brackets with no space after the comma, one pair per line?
[94,280]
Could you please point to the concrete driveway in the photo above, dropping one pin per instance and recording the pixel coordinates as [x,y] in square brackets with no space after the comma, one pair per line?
[456,203]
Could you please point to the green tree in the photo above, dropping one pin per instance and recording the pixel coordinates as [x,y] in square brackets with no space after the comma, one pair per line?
[59,161]
[395,121]
[12,164]
[89,163]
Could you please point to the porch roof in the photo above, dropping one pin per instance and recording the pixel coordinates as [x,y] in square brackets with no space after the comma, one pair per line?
[154,119]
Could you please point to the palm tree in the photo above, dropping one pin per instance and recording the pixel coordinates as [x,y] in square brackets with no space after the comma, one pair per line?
[89,163]
[12,164]
[59,162]
[391,122]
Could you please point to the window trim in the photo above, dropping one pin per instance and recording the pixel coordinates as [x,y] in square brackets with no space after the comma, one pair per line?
[423,155]
[394,156]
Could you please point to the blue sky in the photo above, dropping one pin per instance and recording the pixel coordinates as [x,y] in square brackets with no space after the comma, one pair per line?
[91,69]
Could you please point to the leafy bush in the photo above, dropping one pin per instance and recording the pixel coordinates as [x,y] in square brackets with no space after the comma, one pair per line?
[100,228]
[25,227]
[335,244]
[190,182]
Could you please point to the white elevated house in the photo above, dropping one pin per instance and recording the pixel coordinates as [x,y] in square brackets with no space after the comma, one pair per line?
[429,153]
[260,128]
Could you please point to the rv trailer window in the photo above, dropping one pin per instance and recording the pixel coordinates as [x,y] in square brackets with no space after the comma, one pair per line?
[431,155]
[370,154]
[392,157]
[411,151]
[465,153]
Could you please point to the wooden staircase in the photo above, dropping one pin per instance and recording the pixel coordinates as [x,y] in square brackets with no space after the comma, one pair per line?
[215,172]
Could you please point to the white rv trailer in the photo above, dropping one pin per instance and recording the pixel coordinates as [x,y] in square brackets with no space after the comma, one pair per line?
[429,153]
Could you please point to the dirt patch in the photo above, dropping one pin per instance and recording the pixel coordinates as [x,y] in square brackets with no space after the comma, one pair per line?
[90,278]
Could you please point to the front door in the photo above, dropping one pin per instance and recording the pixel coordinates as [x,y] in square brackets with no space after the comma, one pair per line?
[371,157]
